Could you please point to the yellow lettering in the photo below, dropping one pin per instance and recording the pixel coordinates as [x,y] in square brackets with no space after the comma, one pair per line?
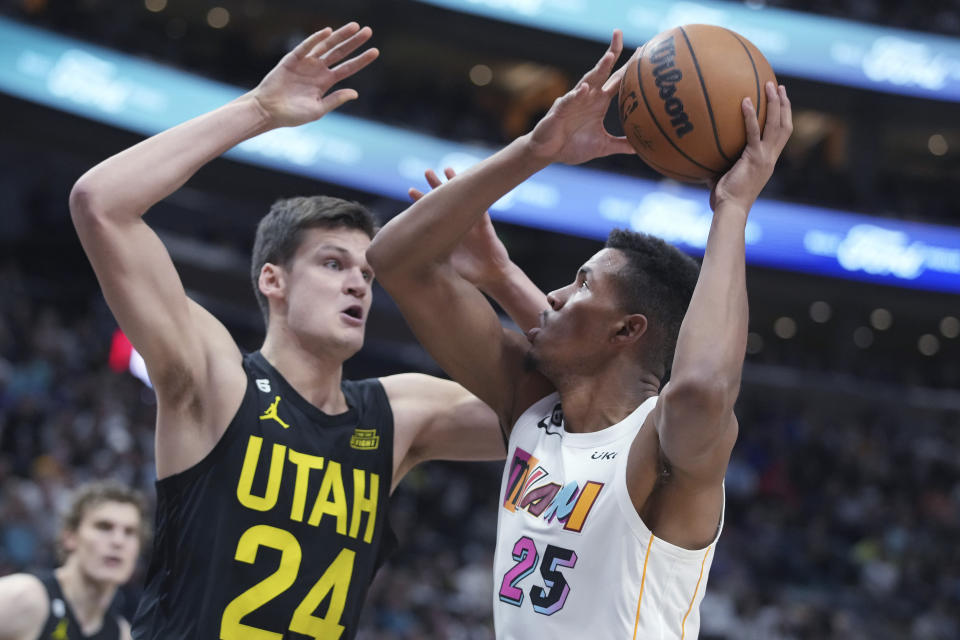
[363,503]
[332,483]
[305,463]
[584,503]
[251,461]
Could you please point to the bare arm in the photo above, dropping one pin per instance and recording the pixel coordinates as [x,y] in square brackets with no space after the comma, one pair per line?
[436,419]
[412,254]
[23,607]
[482,259]
[187,350]
[695,419]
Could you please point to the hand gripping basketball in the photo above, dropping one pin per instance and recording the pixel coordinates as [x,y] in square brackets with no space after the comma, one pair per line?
[680,100]
[742,184]
[572,131]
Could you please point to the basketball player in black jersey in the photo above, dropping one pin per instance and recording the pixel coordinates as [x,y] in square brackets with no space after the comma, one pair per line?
[274,472]
[99,543]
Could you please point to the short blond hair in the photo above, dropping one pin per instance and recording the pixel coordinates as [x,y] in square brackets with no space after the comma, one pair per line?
[93,494]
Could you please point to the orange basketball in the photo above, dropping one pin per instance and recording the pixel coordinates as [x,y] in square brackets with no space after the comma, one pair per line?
[680,100]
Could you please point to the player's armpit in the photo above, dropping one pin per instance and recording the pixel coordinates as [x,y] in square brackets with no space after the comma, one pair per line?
[437,419]
[23,607]
[696,429]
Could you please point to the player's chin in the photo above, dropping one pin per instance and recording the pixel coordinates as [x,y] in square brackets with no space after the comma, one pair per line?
[532,360]
[353,341]
[114,574]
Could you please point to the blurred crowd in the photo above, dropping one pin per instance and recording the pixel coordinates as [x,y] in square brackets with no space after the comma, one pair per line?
[842,515]
[841,519]
[420,85]
[937,16]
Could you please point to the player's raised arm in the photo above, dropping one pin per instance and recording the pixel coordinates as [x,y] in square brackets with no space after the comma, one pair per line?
[175,336]
[413,253]
[482,260]
[694,418]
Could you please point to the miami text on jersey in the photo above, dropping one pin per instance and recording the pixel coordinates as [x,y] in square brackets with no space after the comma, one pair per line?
[529,490]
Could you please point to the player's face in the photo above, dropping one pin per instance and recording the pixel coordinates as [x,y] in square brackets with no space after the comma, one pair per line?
[575,333]
[327,291]
[107,542]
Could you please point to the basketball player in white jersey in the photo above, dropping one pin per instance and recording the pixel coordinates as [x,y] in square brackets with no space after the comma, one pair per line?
[612,496]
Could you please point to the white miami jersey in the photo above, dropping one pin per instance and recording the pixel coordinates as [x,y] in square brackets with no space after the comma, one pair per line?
[573,558]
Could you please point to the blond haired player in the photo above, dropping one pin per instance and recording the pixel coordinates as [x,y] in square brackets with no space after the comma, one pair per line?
[100,540]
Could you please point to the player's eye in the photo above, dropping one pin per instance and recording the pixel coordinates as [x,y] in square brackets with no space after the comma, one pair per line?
[583,284]
[368,276]
[332,264]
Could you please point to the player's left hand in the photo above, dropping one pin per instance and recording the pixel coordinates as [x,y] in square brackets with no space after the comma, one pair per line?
[742,184]
[572,131]
[296,90]
[480,258]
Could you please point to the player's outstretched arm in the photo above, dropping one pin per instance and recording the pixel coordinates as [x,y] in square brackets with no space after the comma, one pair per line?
[694,417]
[413,253]
[437,419]
[483,261]
[178,340]
[23,607]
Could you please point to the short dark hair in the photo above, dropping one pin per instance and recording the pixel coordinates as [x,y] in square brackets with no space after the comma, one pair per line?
[657,281]
[91,495]
[280,231]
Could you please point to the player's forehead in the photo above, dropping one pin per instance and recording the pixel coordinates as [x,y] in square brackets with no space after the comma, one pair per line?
[112,512]
[352,243]
[603,263]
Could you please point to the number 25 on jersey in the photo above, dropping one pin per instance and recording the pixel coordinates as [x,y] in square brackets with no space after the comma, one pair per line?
[547,599]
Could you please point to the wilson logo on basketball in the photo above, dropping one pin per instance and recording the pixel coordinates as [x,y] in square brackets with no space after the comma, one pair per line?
[667,76]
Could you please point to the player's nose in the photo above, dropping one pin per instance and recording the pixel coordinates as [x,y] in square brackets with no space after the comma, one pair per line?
[556,299]
[356,283]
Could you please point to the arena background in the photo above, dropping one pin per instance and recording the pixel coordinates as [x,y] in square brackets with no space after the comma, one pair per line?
[843,492]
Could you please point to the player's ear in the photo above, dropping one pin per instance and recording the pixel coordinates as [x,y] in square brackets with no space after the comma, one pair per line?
[68,541]
[630,328]
[272,281]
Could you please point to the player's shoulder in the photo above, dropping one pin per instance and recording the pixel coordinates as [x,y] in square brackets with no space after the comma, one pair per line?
[25,588]
[24,604]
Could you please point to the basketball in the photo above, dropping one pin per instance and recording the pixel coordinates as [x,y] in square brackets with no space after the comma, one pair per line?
[680,100]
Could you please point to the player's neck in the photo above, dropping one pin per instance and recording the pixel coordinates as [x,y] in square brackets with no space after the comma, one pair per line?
[88,599]
[595,402]
[314,374]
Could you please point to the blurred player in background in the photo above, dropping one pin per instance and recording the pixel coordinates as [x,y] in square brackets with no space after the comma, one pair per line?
[99,542]
[274,472]
[612,494]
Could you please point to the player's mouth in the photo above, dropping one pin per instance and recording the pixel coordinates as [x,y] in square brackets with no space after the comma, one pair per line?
[353,315]
[113,561]
[533,331]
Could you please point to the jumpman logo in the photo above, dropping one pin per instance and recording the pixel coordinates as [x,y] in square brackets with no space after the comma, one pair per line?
[271,413]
